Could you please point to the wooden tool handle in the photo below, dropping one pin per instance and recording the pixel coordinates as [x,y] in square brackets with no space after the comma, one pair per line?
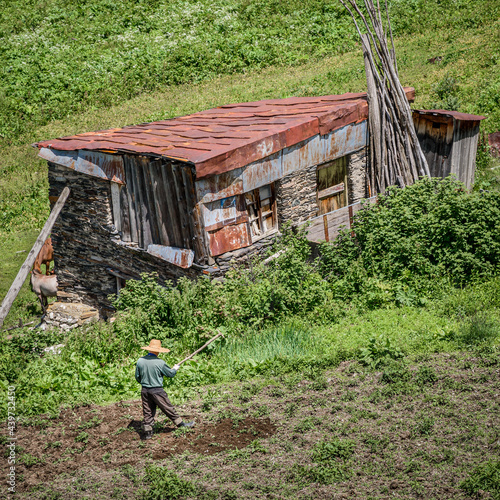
[200,349]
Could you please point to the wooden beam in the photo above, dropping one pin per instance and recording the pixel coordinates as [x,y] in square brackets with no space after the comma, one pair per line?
[30,259]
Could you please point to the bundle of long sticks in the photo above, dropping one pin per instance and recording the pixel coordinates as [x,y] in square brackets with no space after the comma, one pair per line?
[396,157]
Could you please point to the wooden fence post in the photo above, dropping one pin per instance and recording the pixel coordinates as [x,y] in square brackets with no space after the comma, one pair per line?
[30,259]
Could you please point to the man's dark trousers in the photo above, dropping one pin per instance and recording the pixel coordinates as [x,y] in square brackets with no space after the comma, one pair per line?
[156,397]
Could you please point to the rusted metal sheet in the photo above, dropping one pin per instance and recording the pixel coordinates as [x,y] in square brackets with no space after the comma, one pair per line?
[345,140]
[262,172]
[229,238]
[302,155]
[220,186]
[464,117]
[229,137]
[181,257]
[224,212]
[97,164]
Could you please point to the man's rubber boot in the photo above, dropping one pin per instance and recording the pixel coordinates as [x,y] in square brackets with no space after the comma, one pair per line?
[148,431]
[186,424]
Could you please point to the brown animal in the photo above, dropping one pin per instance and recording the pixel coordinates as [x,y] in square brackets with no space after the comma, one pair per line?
[43,286]
[45,256]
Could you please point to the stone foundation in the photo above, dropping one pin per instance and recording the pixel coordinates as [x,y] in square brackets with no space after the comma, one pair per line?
[67,316]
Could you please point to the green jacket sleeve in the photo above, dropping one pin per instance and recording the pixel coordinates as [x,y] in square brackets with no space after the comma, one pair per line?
[137,374]
[167,371]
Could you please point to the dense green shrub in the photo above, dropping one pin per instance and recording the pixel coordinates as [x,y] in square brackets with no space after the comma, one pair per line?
[415,239]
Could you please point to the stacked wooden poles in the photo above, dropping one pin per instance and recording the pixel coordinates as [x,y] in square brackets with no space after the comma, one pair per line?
[395,154]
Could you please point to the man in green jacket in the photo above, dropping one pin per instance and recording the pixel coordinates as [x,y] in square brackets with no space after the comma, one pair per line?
[149,372]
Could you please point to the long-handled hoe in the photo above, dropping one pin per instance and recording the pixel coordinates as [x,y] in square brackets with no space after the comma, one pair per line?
[201,348]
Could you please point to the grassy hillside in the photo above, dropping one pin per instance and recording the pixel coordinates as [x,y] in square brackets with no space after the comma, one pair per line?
[58,57]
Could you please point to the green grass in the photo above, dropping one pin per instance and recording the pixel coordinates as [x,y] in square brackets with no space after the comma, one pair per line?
[469,51]
[58,58]
[17,246]
[286,341]
[78,376]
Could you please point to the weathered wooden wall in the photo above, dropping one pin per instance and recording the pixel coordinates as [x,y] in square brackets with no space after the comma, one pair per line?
[88,251]
[465,139]
[449,145]
[326,227]
[157,205]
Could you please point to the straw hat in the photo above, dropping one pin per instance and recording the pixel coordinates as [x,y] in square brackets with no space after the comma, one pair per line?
[155,346]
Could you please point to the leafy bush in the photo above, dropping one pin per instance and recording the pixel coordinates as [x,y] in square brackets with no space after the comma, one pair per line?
[418,238]
[485,477]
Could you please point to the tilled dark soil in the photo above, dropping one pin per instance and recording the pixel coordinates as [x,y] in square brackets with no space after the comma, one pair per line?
[417,431]
[104,437]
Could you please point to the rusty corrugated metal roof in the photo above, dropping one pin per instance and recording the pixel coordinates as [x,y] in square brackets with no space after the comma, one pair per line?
[464,117]
[231,136]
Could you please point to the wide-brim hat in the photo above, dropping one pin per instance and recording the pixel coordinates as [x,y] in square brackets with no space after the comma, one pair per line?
[155,346]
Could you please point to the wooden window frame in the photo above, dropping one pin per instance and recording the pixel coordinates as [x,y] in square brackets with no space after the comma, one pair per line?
[260,216]
[334,190]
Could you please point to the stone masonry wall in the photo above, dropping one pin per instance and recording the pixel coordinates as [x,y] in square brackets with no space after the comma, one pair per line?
[296,192]
[296,196]
[357,176]
[87,247]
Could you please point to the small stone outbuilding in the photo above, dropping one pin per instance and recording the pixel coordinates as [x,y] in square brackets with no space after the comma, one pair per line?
[188,196]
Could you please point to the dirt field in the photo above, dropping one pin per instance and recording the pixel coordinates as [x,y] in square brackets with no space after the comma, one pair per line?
[412,431]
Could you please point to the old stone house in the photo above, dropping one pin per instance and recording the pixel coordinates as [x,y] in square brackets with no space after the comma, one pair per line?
[187,196]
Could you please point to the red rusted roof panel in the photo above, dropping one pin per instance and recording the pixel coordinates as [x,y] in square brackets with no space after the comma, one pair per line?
[221,139]
[454,114]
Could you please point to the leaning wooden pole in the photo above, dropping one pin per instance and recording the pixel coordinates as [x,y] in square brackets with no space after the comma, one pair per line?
[395,153]
[30,259]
